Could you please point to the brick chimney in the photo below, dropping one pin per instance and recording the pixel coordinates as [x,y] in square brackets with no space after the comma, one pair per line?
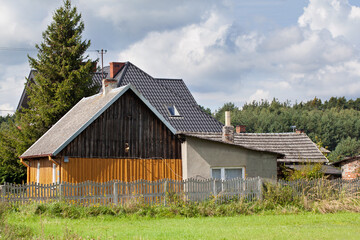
[300,131]
[108,85]
[94,66]
[115,67]
[228,130]
[240,129]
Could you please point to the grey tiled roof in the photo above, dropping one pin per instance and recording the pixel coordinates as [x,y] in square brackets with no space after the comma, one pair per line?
[69,124]
[163,92]
[217,137]
[297,147]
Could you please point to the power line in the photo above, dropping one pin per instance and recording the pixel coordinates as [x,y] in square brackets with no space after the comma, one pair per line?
[23,49]
[102,52]
[7,110]
[16,49]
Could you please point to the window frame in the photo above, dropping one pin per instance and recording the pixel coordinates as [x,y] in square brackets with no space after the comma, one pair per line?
[38,172]
[176,111]
[222,171]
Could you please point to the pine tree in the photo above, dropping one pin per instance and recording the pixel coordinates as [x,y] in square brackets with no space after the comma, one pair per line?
[63,77]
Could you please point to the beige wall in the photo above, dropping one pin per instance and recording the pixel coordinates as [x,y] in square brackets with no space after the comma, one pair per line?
[199,156]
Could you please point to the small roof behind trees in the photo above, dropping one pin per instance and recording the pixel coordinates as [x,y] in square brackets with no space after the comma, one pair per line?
[297,147]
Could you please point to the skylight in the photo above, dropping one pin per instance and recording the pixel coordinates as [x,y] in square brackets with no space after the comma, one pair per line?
[173,111]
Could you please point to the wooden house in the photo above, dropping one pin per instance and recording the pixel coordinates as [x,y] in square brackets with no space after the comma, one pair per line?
[120,133]
[140,127]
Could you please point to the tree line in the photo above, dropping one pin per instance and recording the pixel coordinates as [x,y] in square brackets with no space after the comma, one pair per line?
[333,124]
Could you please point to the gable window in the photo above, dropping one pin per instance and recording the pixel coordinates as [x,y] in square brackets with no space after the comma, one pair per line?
[173,111]
[226,173]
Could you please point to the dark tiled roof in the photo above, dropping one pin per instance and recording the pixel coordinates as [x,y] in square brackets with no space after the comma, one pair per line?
[345,161]
[297,147]
[178,87]
[330,170]
[163,92]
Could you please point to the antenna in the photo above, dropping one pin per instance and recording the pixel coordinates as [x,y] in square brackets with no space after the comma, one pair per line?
[293,128]
[102,52]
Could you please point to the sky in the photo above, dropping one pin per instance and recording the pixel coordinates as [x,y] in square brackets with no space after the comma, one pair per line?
[226,50]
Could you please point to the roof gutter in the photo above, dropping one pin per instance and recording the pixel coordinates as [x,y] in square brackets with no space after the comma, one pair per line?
[36,156]
[24,163]
[53,161]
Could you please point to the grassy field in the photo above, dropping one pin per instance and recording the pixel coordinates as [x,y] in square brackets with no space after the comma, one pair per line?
[293,226]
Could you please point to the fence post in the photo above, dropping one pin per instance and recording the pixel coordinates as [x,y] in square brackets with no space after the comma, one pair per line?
[2,193]
[214,187]
[61,191]
[165,191]
[115,193]
[260,196]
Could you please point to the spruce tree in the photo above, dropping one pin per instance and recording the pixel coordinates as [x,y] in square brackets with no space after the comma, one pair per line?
[63,77]
[63,72]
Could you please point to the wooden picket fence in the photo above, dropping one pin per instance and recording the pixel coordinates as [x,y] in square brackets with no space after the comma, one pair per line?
[159,192]
[322,188]
[117,192]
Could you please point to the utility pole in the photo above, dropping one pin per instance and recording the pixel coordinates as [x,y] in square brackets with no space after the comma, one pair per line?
[102,52]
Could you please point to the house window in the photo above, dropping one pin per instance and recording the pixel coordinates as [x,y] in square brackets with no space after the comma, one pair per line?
[228,173]
[38,172]
[173,111]
[54,173]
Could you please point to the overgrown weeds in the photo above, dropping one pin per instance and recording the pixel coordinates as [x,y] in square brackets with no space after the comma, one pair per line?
[8,231]
[278,198]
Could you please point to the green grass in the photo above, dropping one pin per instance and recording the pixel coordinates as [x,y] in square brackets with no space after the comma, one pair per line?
[292,226]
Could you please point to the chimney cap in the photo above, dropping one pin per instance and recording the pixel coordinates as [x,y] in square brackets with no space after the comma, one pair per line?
[108,85]
[300,131]
[227,118]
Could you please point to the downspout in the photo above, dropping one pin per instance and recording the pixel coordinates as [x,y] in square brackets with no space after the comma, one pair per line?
[53,161]
[57,164]
[24,163]
[27,169]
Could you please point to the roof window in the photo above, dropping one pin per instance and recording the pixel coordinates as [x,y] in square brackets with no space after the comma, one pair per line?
[173,111]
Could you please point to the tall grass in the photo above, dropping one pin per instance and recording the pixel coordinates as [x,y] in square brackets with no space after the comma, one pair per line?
[278,198]
[8,231]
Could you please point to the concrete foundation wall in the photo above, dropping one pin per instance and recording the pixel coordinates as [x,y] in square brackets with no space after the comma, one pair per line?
[199,156]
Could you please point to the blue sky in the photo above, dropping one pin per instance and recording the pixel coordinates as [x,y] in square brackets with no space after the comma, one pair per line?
[226,51]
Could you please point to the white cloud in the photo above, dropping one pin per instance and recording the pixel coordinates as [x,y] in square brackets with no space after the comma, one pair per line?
[22,26]
[337,16]
[12,85]
[3,108]
[140,16]
[206,44]
[259,95]
[297,62]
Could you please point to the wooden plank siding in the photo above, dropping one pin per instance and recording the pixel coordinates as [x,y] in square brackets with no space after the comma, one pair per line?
[130,122]
[45,172]
[126,170]
[103,170]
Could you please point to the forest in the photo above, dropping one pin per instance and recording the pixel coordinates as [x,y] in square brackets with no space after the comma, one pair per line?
[333,124]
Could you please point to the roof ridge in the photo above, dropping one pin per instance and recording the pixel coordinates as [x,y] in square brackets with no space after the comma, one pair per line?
[121,73]
[171,79]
